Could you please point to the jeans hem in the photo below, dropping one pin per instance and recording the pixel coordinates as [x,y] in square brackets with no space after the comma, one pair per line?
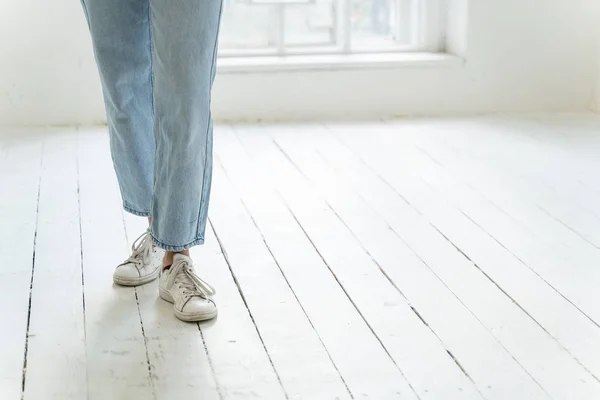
[135,212]
[182,247]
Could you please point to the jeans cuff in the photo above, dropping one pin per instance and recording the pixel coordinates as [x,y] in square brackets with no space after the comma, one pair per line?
[135,212]
[169,247]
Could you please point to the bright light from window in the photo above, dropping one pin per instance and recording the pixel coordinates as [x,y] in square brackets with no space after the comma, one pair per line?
[287,27]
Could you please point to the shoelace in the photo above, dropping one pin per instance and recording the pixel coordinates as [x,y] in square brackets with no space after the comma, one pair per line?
[182,274]
[140,250]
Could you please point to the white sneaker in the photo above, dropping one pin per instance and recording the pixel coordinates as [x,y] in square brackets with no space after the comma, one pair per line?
[143,265]
[190,295]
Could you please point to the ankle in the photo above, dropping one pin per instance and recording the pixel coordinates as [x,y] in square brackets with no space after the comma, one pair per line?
[168,258]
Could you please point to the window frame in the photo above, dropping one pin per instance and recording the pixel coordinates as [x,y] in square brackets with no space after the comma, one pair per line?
[427,35]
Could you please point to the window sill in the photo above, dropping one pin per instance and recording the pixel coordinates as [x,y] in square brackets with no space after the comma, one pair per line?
[230,65]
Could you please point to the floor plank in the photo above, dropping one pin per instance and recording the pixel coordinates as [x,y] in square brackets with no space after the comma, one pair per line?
[117,362]
[56,362]
[20,169]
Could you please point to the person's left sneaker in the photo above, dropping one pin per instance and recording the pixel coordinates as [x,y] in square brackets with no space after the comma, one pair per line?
[191,296]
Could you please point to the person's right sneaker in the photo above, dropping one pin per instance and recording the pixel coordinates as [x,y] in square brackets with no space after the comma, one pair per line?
[191,296]
[143,265]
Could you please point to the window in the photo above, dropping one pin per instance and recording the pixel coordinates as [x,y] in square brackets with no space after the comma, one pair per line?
[307,27]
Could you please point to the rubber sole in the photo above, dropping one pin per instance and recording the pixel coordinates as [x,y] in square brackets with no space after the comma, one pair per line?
[187,317]
[136,281]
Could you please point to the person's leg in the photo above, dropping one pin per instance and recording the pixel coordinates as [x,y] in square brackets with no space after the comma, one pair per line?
[184,38]
[120,31]
[184,79]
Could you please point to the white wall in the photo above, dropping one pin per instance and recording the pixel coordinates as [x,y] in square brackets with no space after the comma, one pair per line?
[521,55]
[47,71]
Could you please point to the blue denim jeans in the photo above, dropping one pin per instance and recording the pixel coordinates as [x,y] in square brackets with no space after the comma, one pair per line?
[156,60]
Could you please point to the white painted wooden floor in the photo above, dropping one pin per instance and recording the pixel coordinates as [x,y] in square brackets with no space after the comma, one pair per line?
[422,259]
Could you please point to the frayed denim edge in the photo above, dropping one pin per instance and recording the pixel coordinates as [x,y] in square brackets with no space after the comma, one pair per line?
[136,212]
[169,247]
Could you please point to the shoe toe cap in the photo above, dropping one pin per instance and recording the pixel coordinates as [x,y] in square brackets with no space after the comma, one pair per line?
[199,306]
[128,271]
